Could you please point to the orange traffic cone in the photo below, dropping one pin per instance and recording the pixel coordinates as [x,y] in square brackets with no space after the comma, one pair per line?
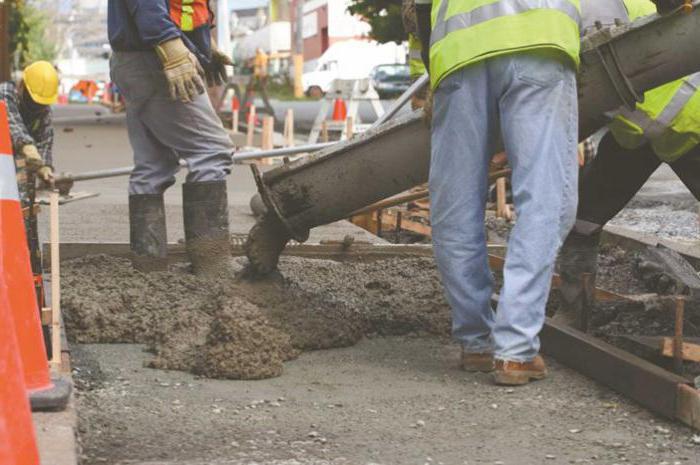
[235,103]
[21,296]
[340,111]
[17,442]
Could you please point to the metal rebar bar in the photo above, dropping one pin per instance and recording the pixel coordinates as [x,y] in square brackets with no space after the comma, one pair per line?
[251,155]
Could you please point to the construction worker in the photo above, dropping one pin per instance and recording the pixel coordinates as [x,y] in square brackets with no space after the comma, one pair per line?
[163,55]
[663,129]
[501,69]
[29,112]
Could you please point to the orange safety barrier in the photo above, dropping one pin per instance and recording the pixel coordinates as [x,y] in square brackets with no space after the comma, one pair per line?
[17,441]
[340,110]
[17,271]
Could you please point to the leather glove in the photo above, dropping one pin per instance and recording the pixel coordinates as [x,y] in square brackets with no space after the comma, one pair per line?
[33,157]
[45,173]
[216,74]
[182,70]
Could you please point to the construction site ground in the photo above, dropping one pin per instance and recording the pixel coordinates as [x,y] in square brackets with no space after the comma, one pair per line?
[385,400]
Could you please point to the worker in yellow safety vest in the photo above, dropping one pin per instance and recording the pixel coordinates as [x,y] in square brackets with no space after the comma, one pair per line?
[664,128]
[501,70]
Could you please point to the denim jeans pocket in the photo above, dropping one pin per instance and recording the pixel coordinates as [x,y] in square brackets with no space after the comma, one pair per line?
[539,69]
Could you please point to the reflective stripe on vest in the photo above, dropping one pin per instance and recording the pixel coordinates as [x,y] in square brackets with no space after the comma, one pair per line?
[189,14]
[414,54]
[494,10]
[656,127]
[8,182]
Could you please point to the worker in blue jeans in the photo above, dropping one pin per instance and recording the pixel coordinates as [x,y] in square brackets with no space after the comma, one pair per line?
[501,71]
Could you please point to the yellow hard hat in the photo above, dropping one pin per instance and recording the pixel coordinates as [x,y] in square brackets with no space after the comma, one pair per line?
[41,80]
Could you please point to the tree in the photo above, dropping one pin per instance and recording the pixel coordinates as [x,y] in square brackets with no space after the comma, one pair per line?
[28,42]
[384,17]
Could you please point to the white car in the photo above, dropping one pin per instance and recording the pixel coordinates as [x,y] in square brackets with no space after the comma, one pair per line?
[351,59]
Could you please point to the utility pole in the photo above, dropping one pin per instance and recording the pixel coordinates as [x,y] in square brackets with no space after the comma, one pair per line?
[5,74]
[299,49]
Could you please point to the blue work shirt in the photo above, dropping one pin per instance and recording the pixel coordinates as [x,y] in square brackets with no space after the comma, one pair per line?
[140,25]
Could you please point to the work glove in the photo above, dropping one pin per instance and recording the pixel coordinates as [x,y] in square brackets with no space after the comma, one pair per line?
[32,157]
[45,173]
[216,72]
[665,6]
[182,70]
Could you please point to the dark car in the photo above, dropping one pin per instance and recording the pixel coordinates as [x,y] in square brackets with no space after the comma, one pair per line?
[391,80]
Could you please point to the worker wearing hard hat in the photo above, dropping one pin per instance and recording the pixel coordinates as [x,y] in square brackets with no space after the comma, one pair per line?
[29,112]
[664,128]
[163,55]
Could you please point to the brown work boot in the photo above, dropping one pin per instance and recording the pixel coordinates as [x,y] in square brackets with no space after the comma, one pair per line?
[511,373]
[478,361]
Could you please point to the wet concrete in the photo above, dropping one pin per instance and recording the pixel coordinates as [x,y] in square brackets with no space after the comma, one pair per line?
[243,328]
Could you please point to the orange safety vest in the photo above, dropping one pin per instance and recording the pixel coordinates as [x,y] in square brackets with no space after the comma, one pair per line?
[189,14]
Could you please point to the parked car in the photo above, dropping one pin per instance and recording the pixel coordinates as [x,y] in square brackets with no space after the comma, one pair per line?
[391,80]
[351,59]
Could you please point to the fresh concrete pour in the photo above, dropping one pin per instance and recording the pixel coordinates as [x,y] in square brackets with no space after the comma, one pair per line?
[243,328]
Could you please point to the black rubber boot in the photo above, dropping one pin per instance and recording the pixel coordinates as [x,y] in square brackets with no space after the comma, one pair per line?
[147,232]
[205,209]
[578,255]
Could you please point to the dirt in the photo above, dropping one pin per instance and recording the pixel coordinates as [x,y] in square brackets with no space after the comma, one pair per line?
[245,328]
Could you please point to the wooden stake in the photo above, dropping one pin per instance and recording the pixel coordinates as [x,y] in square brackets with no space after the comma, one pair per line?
[324,131]
[251,127]
[234,121]
[349,127]
[267,132]
[289,128]
[502,208]
[55,283]
[678,336]
[268,127]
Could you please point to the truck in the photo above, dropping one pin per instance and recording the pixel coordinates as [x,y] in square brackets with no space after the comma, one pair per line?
[350,59]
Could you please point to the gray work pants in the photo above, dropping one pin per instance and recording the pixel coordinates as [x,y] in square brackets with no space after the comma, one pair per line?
[162,131]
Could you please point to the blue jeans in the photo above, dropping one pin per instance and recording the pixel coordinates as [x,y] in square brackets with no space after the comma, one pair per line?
[529,100]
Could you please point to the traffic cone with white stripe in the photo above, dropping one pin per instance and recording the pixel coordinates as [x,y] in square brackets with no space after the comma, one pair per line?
[45,394]
[17,439]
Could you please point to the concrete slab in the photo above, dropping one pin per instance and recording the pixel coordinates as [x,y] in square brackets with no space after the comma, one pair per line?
[56,434]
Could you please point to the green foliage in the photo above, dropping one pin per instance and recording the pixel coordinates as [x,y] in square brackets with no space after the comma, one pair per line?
[28,42]
[384,16]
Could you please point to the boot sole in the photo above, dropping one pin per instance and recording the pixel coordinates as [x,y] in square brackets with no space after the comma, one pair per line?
[517,379]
